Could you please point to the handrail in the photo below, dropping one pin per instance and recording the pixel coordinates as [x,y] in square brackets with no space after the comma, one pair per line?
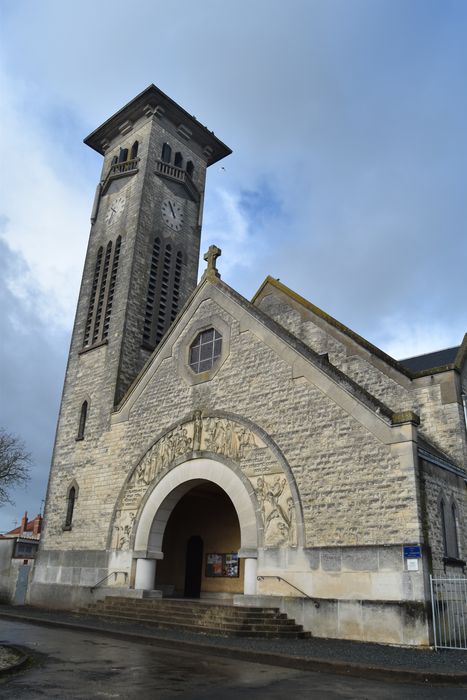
[125,573]
[173,172]
[127,166]
[280,578]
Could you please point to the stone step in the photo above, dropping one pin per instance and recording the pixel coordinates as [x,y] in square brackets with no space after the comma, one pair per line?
[269,625]
[227,630]
[199,617]
[227,613]
[202,619]
[183,604]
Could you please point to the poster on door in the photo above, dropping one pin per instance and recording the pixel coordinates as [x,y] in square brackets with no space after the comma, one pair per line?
[222,565]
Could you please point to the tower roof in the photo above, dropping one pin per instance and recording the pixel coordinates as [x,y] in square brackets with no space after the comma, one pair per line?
[152,100]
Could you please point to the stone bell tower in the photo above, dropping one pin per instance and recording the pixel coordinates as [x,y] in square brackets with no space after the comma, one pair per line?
[142,258]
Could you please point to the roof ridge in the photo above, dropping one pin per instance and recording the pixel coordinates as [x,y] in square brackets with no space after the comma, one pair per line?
[360,340]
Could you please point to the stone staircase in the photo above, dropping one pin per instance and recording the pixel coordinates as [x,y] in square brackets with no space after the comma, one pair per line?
[200,617]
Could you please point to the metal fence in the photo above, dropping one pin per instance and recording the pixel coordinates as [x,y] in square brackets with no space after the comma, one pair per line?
[449,602]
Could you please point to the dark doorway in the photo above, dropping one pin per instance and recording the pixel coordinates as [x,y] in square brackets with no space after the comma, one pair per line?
[193,568]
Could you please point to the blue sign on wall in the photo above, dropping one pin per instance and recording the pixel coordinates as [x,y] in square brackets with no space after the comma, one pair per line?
[413,552]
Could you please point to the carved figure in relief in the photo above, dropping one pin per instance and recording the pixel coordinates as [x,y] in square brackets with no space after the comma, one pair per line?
[277,511]
[216,440]
[197,430]
[261,492]
[292,522]
[123,529]
[165,451]
[282,533]
[181,441]
[223,436]
[245,438]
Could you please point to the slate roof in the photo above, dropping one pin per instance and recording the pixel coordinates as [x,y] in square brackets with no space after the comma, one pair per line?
[440,358]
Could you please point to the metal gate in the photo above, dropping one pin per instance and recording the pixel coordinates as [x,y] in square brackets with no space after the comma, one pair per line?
[449,603]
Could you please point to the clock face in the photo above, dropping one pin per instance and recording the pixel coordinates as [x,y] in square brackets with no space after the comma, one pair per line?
[172,214]
[115,209]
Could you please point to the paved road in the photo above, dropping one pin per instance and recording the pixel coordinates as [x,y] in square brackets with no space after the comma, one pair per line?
[69,664]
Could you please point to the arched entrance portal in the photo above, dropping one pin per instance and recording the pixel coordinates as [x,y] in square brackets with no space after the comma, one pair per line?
[200,545]
[200,493]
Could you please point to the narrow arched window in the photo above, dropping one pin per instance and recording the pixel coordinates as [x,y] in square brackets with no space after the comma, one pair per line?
[114,160]
[123,155]
[166,155]
[164,294]
[111,287]
[454,542]
[449,530]
[82,420]
[176,285]
[102,293]
[442,512]
[93,298]
[190,168]
[152,292]
[70,507]
[134,150]
[178,160]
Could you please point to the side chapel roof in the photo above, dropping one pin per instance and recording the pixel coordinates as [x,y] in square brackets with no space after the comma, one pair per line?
[434,362]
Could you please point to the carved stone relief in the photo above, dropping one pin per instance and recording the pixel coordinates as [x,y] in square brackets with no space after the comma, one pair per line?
[224,437]
[122,529]
[277,510]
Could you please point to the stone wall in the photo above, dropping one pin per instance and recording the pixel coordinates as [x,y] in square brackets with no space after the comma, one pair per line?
[352,488]
[439,483]
[434,398]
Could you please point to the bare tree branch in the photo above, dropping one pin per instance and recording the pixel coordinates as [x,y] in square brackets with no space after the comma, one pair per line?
[15,461]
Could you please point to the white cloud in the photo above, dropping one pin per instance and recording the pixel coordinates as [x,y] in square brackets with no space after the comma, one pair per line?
[402,340]
[44,212]
[226,225]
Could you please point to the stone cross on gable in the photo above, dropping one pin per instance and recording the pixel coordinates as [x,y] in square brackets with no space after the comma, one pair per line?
[211,257]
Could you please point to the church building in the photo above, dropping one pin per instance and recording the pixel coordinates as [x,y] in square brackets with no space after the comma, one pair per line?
[255,452]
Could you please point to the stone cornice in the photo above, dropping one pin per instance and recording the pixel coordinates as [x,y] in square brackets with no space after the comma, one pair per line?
[153,102]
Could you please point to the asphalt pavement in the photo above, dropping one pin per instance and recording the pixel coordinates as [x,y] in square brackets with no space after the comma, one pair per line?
[70,664]
[346,658]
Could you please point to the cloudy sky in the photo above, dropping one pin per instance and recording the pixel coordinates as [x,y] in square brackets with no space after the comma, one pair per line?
[347,120]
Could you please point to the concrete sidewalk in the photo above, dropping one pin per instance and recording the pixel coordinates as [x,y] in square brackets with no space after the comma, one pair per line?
[364,660]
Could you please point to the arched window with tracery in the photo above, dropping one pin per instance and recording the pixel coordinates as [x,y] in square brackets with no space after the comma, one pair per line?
[123,157]
[134,150]
[178,160]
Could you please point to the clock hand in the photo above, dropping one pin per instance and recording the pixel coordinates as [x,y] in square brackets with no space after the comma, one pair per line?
[172,209]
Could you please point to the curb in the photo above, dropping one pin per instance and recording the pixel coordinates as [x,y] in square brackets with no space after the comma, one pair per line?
[300,663]
[16,665]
